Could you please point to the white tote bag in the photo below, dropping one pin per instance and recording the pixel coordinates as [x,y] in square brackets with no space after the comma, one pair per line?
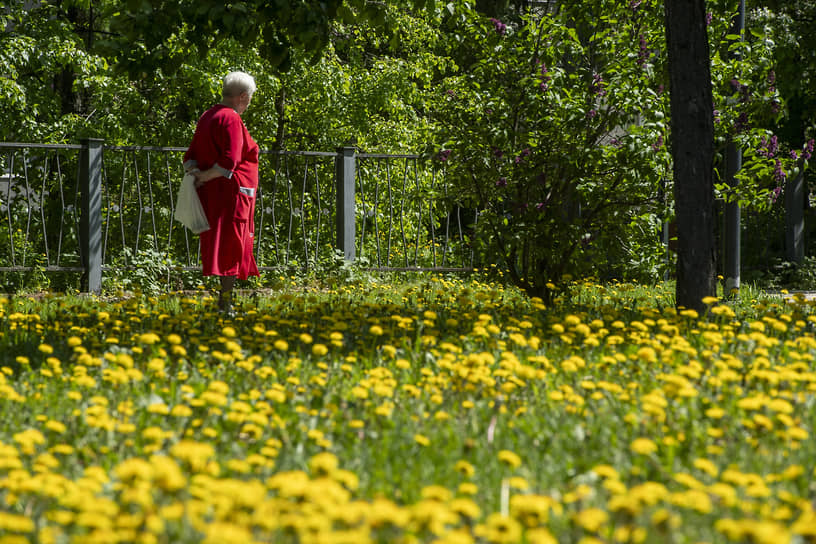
[189,211]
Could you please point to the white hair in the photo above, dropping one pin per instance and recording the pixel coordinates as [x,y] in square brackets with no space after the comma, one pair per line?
[236,83]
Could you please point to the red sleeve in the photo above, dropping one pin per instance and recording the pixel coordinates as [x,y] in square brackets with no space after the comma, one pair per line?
[230,142]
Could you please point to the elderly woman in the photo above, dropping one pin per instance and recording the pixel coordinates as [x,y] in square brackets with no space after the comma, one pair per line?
[223,157]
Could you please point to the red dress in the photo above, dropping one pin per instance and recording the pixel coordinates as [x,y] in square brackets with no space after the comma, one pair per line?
[221,140]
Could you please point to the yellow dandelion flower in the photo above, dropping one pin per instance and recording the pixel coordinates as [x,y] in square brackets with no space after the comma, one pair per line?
[436,493]
[647,354]
[509,458]
[16,523]
[606,471]
[540,535]
[706,466]
[466,508]
[149,338]
[55,426]
[500,529]
[591,519]
[422,440]
[643,446]
[464,468]
[468,488]
[323,464]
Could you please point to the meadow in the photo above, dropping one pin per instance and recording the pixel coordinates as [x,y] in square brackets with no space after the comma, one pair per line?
[440,410]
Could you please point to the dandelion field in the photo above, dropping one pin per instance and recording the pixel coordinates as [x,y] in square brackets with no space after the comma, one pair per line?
[442,410]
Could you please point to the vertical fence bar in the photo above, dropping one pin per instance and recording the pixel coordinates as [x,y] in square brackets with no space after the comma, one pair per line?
[795,219]
[733,214]
[90,168]
[733,220]
[7,199]
[346,167]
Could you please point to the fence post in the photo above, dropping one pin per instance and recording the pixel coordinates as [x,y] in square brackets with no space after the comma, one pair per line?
[795,219]
[733,223]
[733,214]
[90,224]
[346,171]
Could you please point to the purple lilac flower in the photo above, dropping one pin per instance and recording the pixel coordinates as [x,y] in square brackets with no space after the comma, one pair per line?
[768,148]
[658,144]
[735,84]
[451,93]
[717,116]
[775,194]
[597,86]
[807,150]
[775,106]
[643,53]
[545,79]
[745,94]
[501,28]
[444,154]
[522,155]
[709,17]
[779,173]
[501,182]
[634,4]
[591,114]
[540,206]
[742,123]
[498,153]
[794,155]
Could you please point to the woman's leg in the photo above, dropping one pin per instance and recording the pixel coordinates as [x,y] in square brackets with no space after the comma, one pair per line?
[225,298]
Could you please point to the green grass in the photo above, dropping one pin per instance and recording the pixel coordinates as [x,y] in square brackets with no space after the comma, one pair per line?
[439,410]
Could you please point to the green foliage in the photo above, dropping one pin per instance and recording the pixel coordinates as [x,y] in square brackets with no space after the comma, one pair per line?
[555,127]
[567,108]
[279,30]
[749,111]
[797,276]
[789,25]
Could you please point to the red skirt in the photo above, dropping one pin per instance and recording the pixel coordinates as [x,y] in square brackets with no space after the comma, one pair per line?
[227,248]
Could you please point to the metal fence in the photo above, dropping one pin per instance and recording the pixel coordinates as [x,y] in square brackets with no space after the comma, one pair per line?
[96,208]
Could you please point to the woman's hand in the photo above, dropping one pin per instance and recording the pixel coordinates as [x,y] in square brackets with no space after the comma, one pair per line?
[201,178]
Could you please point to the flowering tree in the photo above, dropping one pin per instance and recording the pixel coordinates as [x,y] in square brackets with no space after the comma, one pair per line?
[555,130]
[555,127]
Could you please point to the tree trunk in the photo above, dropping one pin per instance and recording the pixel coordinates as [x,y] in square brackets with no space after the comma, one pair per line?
[692,146]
